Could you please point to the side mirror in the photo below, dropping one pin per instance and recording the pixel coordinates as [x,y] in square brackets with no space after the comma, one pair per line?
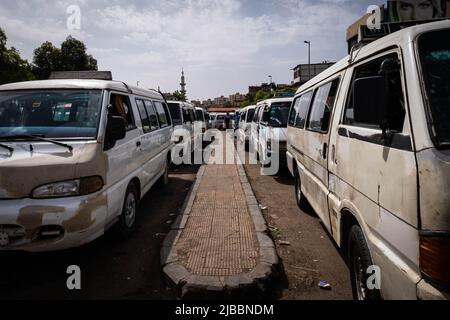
[115,129]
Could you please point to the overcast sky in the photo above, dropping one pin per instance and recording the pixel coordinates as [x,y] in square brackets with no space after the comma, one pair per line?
[223,45]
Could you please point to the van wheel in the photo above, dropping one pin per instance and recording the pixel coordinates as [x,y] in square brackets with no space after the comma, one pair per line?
[127,220]
[164,180]
[302,203]
[360,261]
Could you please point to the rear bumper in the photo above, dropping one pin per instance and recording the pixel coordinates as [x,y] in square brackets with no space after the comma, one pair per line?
[52,224]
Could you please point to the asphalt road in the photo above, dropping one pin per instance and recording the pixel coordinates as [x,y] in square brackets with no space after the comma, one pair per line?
[311,256]
[109,269]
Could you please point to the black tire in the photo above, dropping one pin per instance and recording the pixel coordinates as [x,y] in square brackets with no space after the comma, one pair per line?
[127,220]
[359,261]
[302,203]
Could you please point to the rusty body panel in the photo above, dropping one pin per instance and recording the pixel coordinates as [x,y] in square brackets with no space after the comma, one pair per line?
[394,189]
[434,176]
[83,219]
[47,163]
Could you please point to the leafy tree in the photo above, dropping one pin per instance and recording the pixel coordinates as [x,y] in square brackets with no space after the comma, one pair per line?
[71,57]
[47,58]
[12,67]
[261,95]
[74,56]
[180,96]
[245,103]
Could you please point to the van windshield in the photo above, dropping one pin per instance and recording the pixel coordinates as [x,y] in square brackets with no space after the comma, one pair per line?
[434,52]
[279,114]
[50,113]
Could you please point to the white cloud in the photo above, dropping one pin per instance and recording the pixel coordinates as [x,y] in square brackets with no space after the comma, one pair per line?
[224,45]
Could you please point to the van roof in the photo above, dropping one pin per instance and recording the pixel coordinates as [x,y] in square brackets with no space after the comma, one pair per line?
[180,103]
[249,107]
[80,84]
[404,36]
[273,100]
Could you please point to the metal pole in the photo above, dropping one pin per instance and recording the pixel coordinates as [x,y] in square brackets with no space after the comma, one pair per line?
[309,59]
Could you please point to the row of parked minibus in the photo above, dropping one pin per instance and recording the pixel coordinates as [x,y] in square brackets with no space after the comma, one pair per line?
[367,142]
[76,156]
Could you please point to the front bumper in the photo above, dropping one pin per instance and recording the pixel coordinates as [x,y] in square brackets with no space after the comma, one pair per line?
[37,225]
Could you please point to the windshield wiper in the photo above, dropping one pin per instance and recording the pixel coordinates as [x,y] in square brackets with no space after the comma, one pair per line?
[34,137]
[7,148]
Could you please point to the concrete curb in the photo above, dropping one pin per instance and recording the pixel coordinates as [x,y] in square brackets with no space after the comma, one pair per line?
[189,284]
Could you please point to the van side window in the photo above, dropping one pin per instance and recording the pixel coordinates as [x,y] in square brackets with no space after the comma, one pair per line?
[122,107]
[243,117]
[144,116]
[152,115]
[167,112]
[162,116]
[186,116]
[299,111]
[175,112]
[192,114]
[360,115]
[322,107]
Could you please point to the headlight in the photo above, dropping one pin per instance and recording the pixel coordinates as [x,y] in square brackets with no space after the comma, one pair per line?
[435,258]
[78,187]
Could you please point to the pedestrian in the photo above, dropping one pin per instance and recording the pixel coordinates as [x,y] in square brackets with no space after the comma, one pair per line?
[227,121]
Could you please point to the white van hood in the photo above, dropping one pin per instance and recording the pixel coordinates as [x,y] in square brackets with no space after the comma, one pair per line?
[23,170]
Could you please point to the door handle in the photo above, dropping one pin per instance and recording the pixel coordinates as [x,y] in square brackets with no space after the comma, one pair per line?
[324,151]
[138,144]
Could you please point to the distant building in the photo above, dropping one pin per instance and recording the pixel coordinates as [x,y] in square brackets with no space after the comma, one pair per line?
[197,104]
[223,110]
[305,72]
[220,101]
[236,99]
[264,87]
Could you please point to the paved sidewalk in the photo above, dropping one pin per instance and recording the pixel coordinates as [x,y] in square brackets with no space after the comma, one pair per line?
[219,243]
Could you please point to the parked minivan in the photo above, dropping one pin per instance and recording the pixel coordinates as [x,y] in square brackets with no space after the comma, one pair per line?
[368,144]
[254,131]
[184,118]
[244,130]
[219,122]
[76,157]
[273,131]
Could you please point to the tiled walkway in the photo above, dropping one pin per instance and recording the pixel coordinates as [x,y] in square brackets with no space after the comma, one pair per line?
[219,238]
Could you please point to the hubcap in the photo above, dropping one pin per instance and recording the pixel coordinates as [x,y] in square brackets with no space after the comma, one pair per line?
[359,278]
[130,210]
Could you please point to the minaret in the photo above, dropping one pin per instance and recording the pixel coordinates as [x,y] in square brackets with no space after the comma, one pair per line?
[183,83]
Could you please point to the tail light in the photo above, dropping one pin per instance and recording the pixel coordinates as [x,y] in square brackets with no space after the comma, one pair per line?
[435,258]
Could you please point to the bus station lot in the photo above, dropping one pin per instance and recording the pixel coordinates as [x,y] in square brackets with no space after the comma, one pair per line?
[132,270]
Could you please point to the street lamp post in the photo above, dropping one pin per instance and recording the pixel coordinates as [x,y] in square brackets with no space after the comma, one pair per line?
[309,59]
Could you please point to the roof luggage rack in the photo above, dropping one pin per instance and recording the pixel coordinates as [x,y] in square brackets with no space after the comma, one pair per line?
[84,75]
